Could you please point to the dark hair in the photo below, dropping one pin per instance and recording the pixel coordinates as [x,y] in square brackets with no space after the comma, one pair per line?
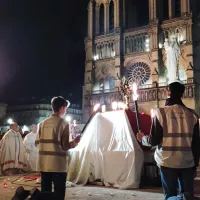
[176,90]
[58,102]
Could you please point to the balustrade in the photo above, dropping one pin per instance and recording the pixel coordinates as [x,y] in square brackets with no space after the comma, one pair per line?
[145,95]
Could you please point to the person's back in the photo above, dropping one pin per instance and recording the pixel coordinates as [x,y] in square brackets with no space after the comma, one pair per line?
[175,151]
[53,142]
[175,132]
[52,157]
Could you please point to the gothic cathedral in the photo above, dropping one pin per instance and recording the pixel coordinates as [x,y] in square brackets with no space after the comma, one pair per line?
[126,39]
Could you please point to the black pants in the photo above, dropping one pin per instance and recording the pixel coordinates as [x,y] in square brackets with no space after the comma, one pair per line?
[59,181]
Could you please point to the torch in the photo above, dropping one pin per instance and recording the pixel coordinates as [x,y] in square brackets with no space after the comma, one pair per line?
[135,97]
[95,110]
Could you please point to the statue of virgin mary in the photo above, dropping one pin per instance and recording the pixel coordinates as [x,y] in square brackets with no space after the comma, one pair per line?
[172,52]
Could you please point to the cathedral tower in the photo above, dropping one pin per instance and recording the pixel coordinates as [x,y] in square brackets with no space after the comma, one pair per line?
[126,38]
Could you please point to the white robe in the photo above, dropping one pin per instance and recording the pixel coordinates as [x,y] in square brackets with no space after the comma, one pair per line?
[31,150]
[12,152]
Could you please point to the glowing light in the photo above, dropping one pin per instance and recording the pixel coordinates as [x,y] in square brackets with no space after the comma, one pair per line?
[5,185]
[142,113]
[121,105]
[10,121]
[160,46]
[147,40]
[96,107]
[135,95]
[25,128]
[68,118]
[148,49]
[152,113]
[103,108]
[114,105]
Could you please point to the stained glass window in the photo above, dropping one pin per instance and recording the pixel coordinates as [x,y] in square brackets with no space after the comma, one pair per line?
[139,72]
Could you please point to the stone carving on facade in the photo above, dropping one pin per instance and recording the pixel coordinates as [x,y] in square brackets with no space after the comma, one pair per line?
[105,49]
[104,71]
[172,53]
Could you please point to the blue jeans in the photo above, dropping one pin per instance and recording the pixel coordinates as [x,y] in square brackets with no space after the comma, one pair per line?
[170,178]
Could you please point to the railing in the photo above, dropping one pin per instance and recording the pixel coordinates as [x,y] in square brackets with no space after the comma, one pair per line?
[145,95]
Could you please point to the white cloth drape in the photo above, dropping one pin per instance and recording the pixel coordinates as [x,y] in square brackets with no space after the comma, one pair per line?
[31,150]
[108,151]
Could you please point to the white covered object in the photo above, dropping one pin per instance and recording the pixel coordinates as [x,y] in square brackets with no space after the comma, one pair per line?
[108,151]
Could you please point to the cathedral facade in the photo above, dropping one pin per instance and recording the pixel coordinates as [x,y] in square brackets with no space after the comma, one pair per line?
[126,39]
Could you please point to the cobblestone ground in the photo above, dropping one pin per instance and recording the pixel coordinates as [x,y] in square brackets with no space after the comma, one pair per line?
[83,193]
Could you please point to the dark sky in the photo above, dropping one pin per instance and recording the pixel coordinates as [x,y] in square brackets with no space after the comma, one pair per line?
[42,48]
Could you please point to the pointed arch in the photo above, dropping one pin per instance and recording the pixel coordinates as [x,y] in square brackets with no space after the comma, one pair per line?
[101,19]
[111,15]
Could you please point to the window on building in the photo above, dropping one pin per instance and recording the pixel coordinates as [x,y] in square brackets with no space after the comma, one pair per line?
[177,8]
[165,9]
[111,16]
[101,84]
[101,19]
[137,13]
[111,83]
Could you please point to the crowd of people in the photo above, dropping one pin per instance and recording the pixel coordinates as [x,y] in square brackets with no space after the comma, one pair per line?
[17,154]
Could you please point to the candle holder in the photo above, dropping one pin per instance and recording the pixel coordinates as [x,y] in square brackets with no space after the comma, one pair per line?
[125,91]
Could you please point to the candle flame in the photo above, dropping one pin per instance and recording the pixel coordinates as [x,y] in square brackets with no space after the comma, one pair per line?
[96,107]
[114,105]
[135,95]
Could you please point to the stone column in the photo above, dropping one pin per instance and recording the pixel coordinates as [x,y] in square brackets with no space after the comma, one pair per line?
[97,18]
[170,5]
[90,20]
[152,10]
[116,10]
[184,6]
[124,13]
[106,17]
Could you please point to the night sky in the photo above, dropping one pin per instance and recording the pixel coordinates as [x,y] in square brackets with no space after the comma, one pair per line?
[42,48]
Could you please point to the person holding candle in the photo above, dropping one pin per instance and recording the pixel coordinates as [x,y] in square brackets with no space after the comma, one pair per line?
[175,132]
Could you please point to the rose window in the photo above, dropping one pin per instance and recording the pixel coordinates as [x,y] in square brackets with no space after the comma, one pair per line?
[139,73]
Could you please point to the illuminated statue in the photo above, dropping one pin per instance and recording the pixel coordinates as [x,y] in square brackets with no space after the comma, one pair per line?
[172,52]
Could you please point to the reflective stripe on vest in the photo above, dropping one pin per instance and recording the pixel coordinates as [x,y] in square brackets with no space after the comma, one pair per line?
[178,123]
[51,144]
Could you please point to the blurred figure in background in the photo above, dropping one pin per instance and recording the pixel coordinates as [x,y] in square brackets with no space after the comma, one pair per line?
[12,152]
[31,149]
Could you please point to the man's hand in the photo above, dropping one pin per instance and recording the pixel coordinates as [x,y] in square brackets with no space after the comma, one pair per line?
[140,136]
[77,139]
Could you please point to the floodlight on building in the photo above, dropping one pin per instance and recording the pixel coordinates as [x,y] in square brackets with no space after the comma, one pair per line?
[96,107]
[114,105]
[10,121]
[25,128]
[160,45]
[68,118]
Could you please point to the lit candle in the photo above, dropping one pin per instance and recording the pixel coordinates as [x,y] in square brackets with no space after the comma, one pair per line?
[95,110]
[135,97]
[103,108]
[114,105]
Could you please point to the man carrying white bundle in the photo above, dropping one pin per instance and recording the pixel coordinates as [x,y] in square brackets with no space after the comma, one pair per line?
[31,149]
